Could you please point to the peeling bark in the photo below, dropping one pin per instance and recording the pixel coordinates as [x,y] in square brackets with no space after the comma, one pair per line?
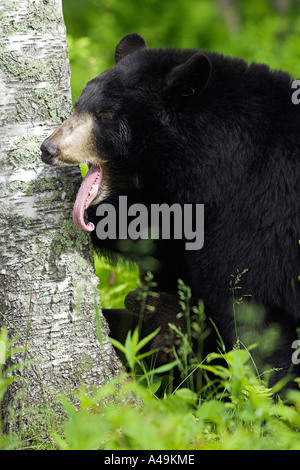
[47,282]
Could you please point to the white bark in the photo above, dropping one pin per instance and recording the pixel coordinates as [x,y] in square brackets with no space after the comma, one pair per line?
[47,281]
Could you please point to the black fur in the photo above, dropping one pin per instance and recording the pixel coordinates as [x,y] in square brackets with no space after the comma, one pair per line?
[218,132]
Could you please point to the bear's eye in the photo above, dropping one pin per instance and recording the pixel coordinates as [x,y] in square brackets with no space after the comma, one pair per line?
[98,112]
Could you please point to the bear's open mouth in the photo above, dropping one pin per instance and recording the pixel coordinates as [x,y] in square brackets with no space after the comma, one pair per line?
[89,190]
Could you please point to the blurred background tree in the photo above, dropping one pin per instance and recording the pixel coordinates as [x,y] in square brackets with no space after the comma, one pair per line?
[257,30]
[266,31]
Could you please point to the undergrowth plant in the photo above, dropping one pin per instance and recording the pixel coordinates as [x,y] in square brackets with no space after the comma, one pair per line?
[8,441]
[138,368]
[188,346]
[127,415]
[232,408]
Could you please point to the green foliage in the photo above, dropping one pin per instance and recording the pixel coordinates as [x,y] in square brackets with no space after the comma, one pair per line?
[235,409]
[7,441]
[130,350]
[132,346]
[127,415]
[115,282]
[258,31]
[188,345]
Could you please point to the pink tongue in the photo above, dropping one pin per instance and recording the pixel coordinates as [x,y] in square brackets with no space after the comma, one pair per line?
[88,191]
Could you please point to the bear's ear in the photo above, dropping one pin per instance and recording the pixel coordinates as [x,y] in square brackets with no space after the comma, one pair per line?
[130,43]
[186,81]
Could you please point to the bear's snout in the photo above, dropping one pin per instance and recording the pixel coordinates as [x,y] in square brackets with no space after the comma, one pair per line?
[49,151]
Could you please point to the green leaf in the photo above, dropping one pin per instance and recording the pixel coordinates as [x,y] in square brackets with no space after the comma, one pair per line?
[187,395]
[164,368]
[117,344]
[146,354]
[217,370]
[147,339]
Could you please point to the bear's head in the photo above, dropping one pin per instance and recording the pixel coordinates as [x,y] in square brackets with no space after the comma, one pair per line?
[127,120]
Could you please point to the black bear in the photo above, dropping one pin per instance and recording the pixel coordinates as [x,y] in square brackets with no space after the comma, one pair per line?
[191,127]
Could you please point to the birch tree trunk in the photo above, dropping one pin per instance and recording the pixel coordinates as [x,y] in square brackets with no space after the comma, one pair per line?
[47,282]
